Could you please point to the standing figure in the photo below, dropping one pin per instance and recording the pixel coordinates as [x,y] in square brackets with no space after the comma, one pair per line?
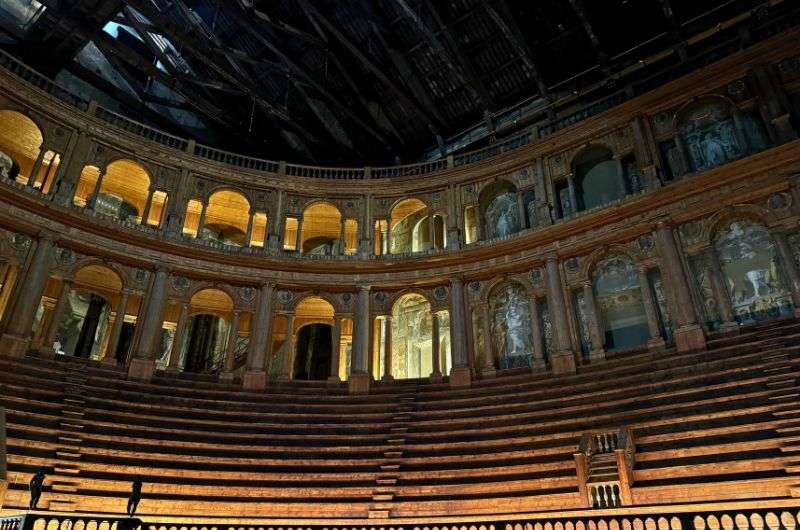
[136,496]
[36,484]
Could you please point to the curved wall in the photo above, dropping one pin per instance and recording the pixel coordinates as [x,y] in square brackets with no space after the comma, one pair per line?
[507,266]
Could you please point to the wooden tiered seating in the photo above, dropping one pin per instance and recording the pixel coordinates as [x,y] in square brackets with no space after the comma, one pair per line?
[720,424]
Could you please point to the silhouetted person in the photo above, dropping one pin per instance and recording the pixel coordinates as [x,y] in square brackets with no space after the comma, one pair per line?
[136,496]
[37,482]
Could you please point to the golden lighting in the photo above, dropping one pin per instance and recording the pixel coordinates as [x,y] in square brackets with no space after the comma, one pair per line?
[211,301]
[228,208]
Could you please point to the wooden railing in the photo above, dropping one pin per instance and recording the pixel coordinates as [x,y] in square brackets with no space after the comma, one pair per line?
[604,465]
[647,518]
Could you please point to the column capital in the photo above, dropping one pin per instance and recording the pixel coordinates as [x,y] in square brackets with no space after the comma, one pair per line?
[48,235]
[162,267]
[456,280]
[362,287]
[552,257]
[270,284]
[586,283]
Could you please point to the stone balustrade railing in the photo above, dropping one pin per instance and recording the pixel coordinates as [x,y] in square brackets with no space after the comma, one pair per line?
[781,517]
[512,143]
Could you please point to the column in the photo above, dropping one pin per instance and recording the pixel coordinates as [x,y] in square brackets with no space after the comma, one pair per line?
[177,341]
[147,206]
[367,229]
[655,340]
[341,237]
[248,233]
[230,348]
[460,374]
[298,237]
[431,230]
[489,368]
[201,223]
[787,259]
[15,340]
[689,334]
[49,338]
[96,191]
[288,360]
[538,338]
[595,331]
[436,371]
[337,349]
[563,358]
[721,296]
[523,215]
[387,350]
[573,194]
[277,224]
[256,377]
[116,329]
[360,378]
[453,242]
[385,238]
[37,167]
[142,365]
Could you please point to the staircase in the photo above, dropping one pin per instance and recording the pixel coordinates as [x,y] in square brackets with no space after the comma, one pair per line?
[64,481]
[389,469]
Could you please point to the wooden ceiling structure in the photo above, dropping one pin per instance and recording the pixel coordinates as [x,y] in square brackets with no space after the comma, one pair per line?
[360,82]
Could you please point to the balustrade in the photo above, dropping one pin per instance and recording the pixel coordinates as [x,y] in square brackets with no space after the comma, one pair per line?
[648,518]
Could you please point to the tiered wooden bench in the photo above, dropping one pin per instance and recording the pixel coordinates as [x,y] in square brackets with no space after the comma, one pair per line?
[721,424]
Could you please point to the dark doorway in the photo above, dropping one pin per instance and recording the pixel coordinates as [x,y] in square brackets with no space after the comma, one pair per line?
[203,344]
[94,311]
[314,348]
[125,340]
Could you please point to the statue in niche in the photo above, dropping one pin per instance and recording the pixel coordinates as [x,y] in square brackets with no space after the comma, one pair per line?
[709,133]
[6,166]
[533,218]
[502,216]
[510,314]
[752,272]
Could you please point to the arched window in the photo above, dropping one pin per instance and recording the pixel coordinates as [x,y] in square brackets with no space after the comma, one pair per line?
[312,329]
[83,330]
[751,266]
[411,229]
[599,178]
[21,151]
[227,219]
[500,210]
[619,303]
[121,192]
[510,326]
[207,332]
[322,230]
[709,133]
[411,337]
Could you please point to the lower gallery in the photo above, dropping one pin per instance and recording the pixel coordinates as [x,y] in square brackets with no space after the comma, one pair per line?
[594,326]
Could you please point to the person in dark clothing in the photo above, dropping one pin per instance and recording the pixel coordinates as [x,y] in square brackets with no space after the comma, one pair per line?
[36,484]
[136,496]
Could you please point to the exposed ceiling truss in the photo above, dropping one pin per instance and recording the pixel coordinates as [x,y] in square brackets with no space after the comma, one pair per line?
[366,81]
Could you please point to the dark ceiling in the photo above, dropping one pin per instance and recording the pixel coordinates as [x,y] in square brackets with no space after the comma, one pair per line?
[362,81]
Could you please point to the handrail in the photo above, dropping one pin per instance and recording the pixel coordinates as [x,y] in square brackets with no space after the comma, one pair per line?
[783,516]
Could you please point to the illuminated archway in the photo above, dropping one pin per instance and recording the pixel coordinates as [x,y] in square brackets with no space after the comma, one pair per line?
[122,193]
[412,333]
[322,230]
[21,144]
[227,218]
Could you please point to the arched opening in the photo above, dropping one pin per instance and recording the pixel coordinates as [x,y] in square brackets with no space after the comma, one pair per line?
[122,192]
[85,323]
[20,151]
[619,303]
[208,328]
[411,337]
[712,131]
[313,346]
[410,228]
[227,219]
[322,230]
[753,274]
[314,349]
[599,178]
[500,210]
[510,326]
